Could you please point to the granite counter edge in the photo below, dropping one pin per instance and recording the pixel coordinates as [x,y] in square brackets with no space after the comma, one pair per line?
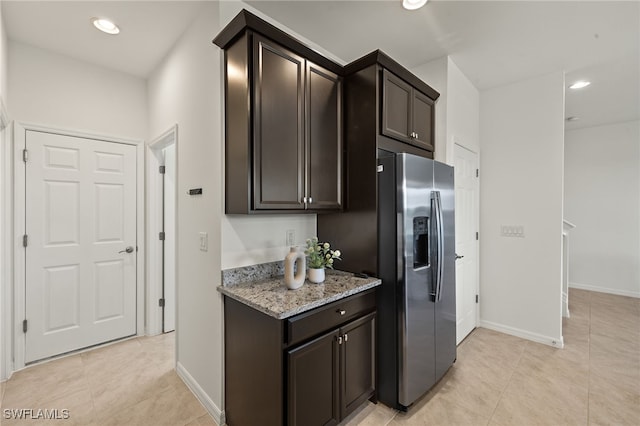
[302,308]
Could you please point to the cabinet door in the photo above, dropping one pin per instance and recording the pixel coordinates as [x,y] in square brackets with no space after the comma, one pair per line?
[313,382]
[358,363]
[396,107]
[422,121]
[324,139]
[278,140]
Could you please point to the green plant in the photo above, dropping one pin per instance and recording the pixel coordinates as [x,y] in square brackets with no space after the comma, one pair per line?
[320,255]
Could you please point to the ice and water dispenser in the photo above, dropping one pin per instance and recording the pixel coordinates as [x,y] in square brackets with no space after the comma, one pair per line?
[420,242]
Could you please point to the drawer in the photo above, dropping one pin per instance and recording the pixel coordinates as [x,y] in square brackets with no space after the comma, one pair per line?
[325,318]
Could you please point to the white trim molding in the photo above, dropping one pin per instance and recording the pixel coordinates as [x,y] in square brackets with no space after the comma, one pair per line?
[607,290]
[556,342]
[196,389]
[4,115]
[17,186]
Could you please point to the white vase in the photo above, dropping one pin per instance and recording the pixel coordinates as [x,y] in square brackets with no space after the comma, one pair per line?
[316,275]
[294,260]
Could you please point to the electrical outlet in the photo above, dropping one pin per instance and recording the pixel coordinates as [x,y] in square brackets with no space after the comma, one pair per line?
[291,237]
[204,241]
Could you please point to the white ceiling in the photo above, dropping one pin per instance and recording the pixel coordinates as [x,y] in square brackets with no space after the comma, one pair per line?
[492,42]
[148,29]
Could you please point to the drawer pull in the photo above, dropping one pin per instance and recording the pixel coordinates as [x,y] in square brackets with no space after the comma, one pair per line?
[341,311]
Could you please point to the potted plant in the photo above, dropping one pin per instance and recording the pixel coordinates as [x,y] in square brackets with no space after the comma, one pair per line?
[319,257]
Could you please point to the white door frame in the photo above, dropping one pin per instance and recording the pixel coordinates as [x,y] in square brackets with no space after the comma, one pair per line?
[154,219]
[6,254]
[19,138]
[477,216]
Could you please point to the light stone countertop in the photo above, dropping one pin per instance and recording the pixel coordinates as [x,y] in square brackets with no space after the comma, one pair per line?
[272,296]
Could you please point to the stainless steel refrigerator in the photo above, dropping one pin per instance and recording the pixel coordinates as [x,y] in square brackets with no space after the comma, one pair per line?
[416,261]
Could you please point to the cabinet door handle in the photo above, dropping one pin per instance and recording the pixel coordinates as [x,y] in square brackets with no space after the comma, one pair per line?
[341,311]
[416,136]
[339,340]
[346,337]
[310,200]
[304,200]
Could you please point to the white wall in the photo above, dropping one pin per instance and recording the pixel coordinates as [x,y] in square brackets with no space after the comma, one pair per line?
[463,112]
[4,46]
[5,258]
[186,89]
[521,133]
[57,91]
[602,198]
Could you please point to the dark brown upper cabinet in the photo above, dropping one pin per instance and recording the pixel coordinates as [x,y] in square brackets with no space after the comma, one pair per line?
[407,114]
[283,122]
[323,138]
[278,126]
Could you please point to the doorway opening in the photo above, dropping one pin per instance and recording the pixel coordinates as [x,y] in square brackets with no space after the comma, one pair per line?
[161,232]
[467,225]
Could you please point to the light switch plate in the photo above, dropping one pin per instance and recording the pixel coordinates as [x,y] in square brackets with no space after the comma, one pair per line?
[514,231]
[204,241]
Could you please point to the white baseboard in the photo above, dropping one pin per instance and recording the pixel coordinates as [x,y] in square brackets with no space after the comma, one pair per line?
[608,290]
[202,396]
[556,342]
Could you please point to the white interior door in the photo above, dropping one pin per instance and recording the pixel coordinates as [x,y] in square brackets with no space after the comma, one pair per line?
[80,218]
[466,184]
[169,312]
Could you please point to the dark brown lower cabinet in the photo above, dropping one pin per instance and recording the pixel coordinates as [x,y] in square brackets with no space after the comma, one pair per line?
[332,375]
[311,369]
[357,363]
[314,377]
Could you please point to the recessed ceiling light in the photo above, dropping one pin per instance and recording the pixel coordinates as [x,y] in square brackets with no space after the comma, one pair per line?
[579,84]
[572,118]
[105,25]
[413,4]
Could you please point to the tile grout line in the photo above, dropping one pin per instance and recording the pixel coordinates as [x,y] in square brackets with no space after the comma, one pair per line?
[502,392]
[89,387]
[395,413]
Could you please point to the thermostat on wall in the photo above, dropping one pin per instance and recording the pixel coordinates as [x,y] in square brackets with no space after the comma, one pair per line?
[195,191]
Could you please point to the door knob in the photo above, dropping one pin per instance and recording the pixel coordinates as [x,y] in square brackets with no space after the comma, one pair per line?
[127,250]
[458,256]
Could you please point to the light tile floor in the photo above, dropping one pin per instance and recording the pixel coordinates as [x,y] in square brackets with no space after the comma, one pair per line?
[132,382]
[503,380]
[497,380]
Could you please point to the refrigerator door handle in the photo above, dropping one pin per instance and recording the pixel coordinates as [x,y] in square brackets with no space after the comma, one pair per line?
[439,244]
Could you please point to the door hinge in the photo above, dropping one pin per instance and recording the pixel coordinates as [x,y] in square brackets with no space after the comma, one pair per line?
[24,326]
[161,236]
[477,236]
[476,298]
[25,240]
[477,172]
[162,170]
[25,155]
[161,303]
